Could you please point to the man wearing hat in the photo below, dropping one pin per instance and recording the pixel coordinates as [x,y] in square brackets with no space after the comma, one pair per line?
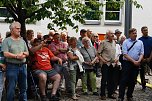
[118,34]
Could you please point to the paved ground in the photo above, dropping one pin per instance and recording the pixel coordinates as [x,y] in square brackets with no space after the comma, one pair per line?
[139,95]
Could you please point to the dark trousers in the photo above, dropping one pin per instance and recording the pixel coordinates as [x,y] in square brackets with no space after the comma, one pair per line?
[116,76]
[142,74]
[128,79]
[107,80]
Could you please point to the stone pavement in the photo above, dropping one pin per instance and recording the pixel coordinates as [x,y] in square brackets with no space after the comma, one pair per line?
[139,95]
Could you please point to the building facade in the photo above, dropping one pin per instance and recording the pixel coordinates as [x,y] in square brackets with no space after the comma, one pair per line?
[140,17]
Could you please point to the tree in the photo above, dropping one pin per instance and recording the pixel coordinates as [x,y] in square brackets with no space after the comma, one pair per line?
[60,12]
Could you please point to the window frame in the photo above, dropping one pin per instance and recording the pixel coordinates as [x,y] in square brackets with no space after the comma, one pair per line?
[112,22]
[2,19]
[93,22]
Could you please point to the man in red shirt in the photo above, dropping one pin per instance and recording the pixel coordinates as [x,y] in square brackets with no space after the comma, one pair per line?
[43,69]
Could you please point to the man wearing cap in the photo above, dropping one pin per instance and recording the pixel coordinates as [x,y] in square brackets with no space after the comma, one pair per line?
[118,34]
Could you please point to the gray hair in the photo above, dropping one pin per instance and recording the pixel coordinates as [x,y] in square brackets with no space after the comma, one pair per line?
[13,25]
[85,39]
[107,32]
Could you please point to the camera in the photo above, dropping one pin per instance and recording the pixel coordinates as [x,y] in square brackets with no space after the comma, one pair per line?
[48,42]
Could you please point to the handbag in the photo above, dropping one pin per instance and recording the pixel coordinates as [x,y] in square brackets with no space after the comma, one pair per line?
[121,55]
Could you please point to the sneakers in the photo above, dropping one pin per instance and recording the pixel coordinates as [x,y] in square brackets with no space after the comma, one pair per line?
[74,97]
[54,98]
[111,97]
[44,98]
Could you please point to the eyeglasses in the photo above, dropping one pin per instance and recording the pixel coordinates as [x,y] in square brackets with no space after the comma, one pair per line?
[135,32]
[95,36]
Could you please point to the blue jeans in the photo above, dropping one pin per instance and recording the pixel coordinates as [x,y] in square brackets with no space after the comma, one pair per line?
[16,74]
[1,83]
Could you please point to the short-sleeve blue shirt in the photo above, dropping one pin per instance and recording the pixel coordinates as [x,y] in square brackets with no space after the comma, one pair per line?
[135,51]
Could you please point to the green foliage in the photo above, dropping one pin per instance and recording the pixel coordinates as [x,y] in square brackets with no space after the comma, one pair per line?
[136,4]
[62,13]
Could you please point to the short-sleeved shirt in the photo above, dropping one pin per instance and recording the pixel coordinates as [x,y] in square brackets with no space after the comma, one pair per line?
[54,47]
[147,41]
[15,47]
[135,51]
[42,59]
[107,50]
[72,63]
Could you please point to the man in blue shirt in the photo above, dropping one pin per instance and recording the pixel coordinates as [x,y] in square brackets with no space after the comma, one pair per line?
[130,66]
[147,41]
[83,33]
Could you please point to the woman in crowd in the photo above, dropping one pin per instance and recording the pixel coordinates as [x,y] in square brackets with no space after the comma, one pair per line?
[75,64]
[89,55]
[96,42]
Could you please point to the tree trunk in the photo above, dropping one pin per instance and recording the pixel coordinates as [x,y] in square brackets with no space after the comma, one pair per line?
[21,20]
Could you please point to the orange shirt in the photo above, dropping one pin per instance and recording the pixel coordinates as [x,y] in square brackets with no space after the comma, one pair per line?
[42,59]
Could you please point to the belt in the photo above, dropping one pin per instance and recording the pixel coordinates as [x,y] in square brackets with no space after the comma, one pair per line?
[17,64]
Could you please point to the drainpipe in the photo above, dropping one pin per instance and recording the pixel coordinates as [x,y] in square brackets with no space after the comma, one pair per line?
[128,17]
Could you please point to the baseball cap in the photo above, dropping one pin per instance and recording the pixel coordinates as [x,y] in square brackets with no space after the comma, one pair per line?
[117,31]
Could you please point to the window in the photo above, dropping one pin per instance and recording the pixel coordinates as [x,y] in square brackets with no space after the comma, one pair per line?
[93,16]
[4,13]
[113,12]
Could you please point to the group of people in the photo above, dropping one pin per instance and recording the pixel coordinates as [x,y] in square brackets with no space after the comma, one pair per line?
[55,57]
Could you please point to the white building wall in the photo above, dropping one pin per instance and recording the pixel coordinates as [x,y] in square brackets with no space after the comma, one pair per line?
[142,17]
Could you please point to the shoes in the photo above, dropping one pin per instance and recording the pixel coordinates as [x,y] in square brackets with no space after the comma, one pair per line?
[119,99]
[58,93]
[111,97]
[116,92]
[130,99]
[54,98]
[98,75]
[143,89]
[74,97]
[77,95]
[85,93]
[44,98]
[95,93]
[103,97]
[69,93]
